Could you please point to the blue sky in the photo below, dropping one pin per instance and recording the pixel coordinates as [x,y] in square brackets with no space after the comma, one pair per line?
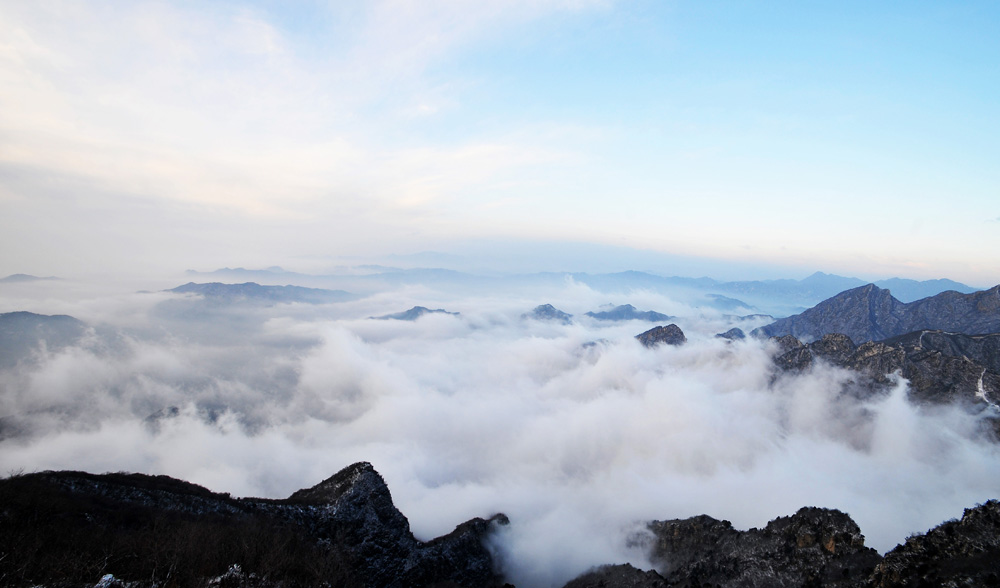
[857,138]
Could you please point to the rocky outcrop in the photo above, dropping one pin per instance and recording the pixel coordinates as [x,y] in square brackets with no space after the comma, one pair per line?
[814,546]
[869,313]
[965,552]
[663,335]
[627,312]
[413,314]
[72,528]
[547,312]
[936,373]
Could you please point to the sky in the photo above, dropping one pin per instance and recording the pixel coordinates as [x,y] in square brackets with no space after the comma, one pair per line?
[856,138]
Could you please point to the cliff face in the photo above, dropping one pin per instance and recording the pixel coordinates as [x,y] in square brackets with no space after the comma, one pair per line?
[72,529]
[870,313]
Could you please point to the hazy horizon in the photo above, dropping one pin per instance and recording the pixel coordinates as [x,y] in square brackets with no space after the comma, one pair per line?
[156,136]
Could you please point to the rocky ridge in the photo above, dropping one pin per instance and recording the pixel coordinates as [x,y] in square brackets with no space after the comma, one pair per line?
[815,547]
[73,529]
[940,367]
[869,313]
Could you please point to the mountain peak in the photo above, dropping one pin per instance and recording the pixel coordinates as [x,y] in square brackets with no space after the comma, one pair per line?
[358,476]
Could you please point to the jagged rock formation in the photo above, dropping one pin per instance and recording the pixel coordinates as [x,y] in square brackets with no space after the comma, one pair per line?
[957,553]
[22,334]
[934,363]
[814,546]
[547,312]
[412,314]
[733,334]
[870,313]
[627,312]
[253,292]
[73,529]
[663,335]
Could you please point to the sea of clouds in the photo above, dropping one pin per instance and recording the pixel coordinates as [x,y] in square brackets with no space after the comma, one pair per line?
[576,432]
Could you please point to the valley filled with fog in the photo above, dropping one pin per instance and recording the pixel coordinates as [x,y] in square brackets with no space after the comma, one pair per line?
[572,428]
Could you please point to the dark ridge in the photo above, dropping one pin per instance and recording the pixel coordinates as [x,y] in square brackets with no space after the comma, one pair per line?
[74,529]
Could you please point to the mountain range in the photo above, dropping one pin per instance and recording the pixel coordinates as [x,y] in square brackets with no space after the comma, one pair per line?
[253,292]
[870,313]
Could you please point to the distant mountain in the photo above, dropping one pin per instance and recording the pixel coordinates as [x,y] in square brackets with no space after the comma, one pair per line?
[13,278]
[22,334]
[412,314]
[869,313]
[733,334]
[253,292]
[627,312]
[820,286]
[547,312]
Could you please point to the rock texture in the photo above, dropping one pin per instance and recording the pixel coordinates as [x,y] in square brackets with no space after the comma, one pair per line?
[957,553]
[413,314]
[814,546]
[627,312]
[547,312]
[933,362]
[663,335]
[74,529]
[869,313]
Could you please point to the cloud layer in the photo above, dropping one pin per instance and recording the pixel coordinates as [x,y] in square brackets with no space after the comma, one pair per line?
[486,412]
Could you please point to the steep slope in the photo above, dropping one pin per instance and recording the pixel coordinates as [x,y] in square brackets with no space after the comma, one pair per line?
[869,313]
